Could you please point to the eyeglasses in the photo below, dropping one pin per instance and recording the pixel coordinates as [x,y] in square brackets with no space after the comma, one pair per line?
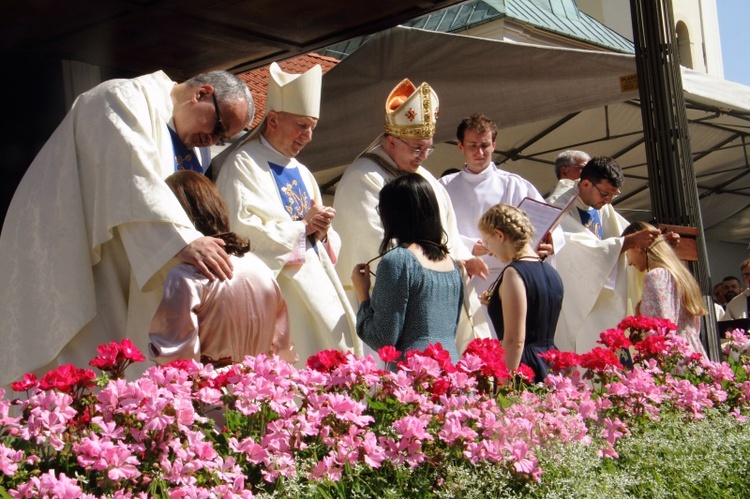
[606,195]
[219,126]
[418,151]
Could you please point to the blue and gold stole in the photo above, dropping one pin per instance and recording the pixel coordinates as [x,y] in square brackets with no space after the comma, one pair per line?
[294,195]
[590,219]
[184,158]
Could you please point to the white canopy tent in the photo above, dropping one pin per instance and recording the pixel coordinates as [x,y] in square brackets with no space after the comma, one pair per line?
[544,100]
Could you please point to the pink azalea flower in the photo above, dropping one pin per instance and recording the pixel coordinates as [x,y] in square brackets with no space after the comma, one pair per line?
[720,372]
[60,487]
[613,429]
[9,460]
[254,453]
[373,453]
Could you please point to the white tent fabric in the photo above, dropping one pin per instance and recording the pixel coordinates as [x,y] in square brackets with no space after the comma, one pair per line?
[544,100]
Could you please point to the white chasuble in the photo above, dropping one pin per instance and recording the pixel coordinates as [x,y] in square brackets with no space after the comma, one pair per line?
[361,231]
[320,315]
[595,275]
[92,230]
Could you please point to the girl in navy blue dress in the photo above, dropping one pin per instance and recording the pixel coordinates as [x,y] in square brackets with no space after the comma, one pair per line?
[524,303]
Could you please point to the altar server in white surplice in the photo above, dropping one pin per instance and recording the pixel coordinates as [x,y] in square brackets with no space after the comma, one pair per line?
[93,229]
[600,290]
[410,115]
[275,202]
[479,186]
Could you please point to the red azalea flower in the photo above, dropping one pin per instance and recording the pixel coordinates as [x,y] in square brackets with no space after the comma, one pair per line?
[443,358]
[389,353]
[652,345]
[614,339]
[220,380]
[83,418]
[485,347]
[644,324]
[107,357]
[526,373]
[67,377]
[600,358]
[28,381]
[130,351]
[440,387]
[561,361]
[695,357]
[326,360]
[492,354]
[115,357]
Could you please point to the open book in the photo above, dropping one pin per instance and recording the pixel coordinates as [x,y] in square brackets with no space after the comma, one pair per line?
[544,217]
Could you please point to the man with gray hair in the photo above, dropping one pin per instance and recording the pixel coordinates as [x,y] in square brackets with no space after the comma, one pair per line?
[568,166]
[93,229]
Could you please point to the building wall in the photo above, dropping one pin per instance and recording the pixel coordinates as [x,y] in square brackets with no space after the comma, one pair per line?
[698,17]
[615,14]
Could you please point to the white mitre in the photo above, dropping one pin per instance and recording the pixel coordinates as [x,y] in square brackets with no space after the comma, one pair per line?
[411,112]
[294,93]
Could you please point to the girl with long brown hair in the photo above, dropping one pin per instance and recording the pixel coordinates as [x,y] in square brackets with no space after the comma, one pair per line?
[218,321]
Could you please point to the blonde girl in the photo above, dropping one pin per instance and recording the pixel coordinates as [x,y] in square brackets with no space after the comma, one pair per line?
[524,303]
[669,289]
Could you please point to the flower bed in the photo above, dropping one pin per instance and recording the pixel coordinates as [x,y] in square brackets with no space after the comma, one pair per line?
[343,428]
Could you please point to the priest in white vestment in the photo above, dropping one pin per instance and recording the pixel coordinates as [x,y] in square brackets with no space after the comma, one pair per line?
[411,114]
[93,229]
[480,185]
[600,290]
[275,202]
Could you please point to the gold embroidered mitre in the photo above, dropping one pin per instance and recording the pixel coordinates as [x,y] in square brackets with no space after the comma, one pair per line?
[294,93]
[411,112]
